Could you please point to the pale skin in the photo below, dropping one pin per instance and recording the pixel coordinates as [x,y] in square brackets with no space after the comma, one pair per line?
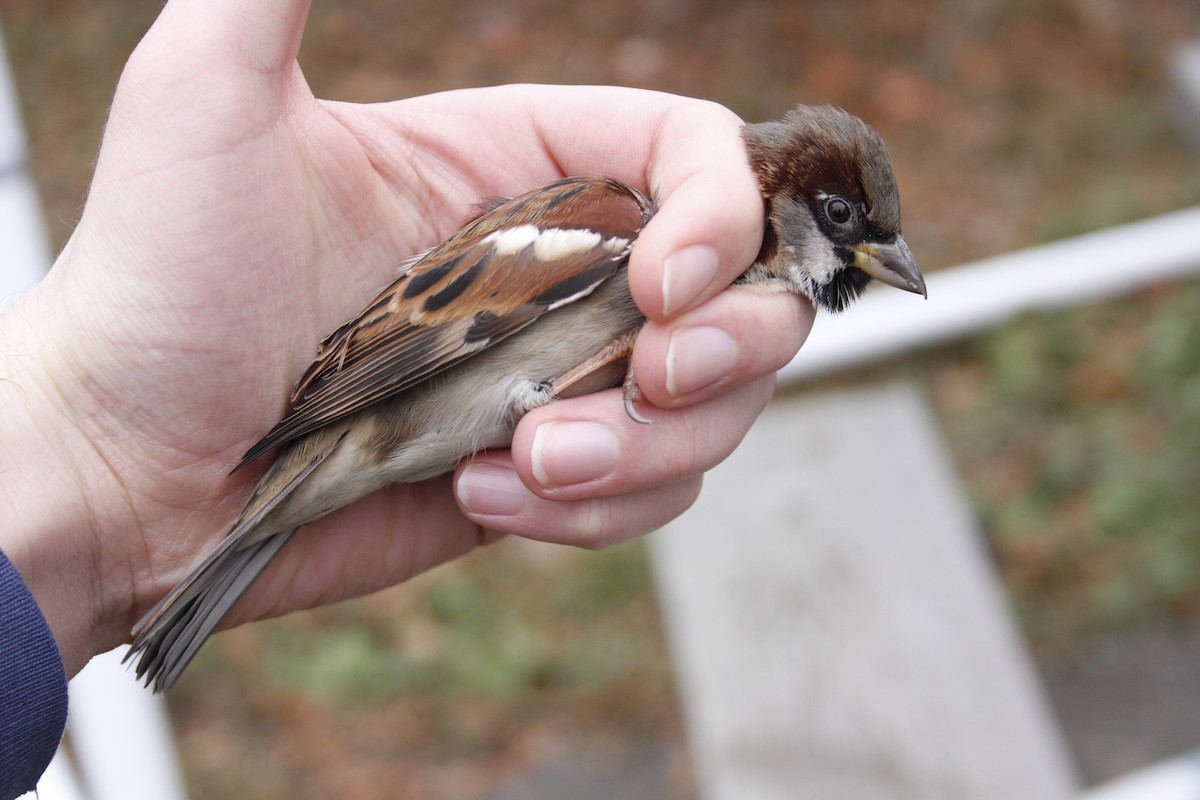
[234,220]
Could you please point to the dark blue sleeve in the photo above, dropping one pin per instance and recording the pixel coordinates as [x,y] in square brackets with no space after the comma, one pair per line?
[33,687]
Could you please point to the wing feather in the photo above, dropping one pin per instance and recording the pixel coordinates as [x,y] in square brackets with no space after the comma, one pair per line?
[475,289]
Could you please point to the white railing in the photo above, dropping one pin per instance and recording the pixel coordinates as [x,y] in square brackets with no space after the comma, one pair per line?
[984,293]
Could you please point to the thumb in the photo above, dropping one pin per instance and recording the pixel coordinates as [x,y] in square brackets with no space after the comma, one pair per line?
[208,76]
[263,37]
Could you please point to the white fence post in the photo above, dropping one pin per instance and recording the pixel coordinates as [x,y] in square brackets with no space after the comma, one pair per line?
[836,628]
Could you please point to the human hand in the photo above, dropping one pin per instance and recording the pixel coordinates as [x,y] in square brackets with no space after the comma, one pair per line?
[234,220]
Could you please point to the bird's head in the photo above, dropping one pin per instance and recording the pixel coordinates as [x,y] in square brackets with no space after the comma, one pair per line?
[833,210]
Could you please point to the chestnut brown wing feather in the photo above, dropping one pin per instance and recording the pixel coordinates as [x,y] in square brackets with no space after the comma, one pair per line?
[462,297]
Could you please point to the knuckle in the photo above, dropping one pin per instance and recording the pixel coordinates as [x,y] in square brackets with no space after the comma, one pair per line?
[589,525]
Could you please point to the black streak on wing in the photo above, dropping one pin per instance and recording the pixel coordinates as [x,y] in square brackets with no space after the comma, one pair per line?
[564,197]
[426,280]
[450,293]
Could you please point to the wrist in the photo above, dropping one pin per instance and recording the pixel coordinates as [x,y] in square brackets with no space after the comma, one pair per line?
[49,481]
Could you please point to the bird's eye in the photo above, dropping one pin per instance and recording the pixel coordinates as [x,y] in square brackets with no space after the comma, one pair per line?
[838,210]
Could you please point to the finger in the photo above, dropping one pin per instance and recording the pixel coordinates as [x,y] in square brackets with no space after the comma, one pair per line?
[736,337]
[690,155]
[710,226]
[588,447]
[207,76]
[490,481]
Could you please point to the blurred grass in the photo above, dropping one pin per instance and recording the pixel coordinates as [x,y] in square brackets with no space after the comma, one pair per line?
[509,651]
[487,628]
[1077,433]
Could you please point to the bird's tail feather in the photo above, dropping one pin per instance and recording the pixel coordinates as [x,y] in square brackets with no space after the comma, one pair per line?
[166,639]
[170,636]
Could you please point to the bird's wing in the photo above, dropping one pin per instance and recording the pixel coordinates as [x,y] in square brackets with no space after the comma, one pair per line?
[523,258]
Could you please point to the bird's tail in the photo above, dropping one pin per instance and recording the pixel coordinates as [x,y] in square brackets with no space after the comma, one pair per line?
[166,639]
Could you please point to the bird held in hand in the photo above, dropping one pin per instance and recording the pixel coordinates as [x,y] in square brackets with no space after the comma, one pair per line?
[527,303]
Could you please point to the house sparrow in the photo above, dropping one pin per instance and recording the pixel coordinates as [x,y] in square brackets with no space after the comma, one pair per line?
[527,303]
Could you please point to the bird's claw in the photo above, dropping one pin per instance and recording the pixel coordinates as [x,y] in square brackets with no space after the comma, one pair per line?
[633,412]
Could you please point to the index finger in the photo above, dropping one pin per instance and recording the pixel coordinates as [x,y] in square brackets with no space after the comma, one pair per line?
[691,157]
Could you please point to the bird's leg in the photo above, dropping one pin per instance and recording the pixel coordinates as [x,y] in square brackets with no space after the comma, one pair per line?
[602,371]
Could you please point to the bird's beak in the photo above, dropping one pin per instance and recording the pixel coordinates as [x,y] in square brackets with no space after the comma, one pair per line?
[891,263]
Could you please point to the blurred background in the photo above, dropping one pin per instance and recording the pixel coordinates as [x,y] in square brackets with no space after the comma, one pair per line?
[1076,432]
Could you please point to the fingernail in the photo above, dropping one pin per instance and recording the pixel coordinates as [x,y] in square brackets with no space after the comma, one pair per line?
[698,357]
[566,453]
[685,274]
[491,490]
